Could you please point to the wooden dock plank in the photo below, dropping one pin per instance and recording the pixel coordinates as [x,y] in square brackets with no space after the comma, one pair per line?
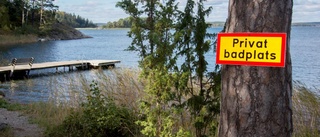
[5,68]
[56,64]
[98,63]
[44,65]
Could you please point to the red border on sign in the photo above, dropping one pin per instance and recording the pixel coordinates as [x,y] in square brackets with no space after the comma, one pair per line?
[253,63]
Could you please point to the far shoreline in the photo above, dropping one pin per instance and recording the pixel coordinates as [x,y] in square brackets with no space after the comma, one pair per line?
[11,40]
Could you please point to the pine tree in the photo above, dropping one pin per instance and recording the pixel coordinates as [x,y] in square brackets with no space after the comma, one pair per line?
[256,101]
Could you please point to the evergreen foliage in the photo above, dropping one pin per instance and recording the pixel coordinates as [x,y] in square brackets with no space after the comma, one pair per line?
[34,17]
[183,93]
[74,21]
[25,16]
[121,23]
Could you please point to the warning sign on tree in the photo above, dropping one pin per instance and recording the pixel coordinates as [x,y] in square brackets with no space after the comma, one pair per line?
[252,49]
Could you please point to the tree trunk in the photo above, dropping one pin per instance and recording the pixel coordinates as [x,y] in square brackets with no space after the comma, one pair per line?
[22,17]
[26,20]
[256,101]
[41,12]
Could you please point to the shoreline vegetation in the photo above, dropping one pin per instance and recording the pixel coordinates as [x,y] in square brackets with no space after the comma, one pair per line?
[73,111]
[17,39]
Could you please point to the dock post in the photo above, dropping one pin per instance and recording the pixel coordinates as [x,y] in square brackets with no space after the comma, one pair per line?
[11,72]
[28,72]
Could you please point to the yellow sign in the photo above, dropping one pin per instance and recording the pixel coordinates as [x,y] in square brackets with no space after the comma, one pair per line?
[253,49]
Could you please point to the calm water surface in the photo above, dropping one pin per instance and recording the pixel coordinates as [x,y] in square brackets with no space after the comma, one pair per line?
[111,45]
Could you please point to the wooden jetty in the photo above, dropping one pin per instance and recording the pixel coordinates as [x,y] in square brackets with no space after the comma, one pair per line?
[23,68]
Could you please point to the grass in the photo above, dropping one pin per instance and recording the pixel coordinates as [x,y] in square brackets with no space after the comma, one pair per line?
[12,106]
[7,132]
[125,86]
[17,39]
[306,112]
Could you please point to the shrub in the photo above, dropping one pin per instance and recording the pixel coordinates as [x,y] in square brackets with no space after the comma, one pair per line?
[99,116]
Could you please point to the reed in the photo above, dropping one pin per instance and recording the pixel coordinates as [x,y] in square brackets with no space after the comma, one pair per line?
[306,112]
[123,85]
[126,88]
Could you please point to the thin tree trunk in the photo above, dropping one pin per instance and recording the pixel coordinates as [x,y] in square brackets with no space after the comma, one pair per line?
[41,12]
[32,13]
[22,20]
[256,101]
[26,20]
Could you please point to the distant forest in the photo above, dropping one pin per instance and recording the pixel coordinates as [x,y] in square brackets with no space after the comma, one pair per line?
[32,17]
[74,21]
[121,23]
[127,23]
[306,24]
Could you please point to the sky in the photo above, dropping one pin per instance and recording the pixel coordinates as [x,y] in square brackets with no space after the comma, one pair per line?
[103,11]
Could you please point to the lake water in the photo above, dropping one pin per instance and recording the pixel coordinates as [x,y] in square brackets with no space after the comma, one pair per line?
[111,45]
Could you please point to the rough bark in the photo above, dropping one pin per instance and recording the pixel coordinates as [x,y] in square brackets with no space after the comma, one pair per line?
[256,101]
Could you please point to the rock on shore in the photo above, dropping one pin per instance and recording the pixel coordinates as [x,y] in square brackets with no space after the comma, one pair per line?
[55,31]
[60,31]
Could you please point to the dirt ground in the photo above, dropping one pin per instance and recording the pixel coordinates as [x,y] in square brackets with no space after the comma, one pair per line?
[19,124]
